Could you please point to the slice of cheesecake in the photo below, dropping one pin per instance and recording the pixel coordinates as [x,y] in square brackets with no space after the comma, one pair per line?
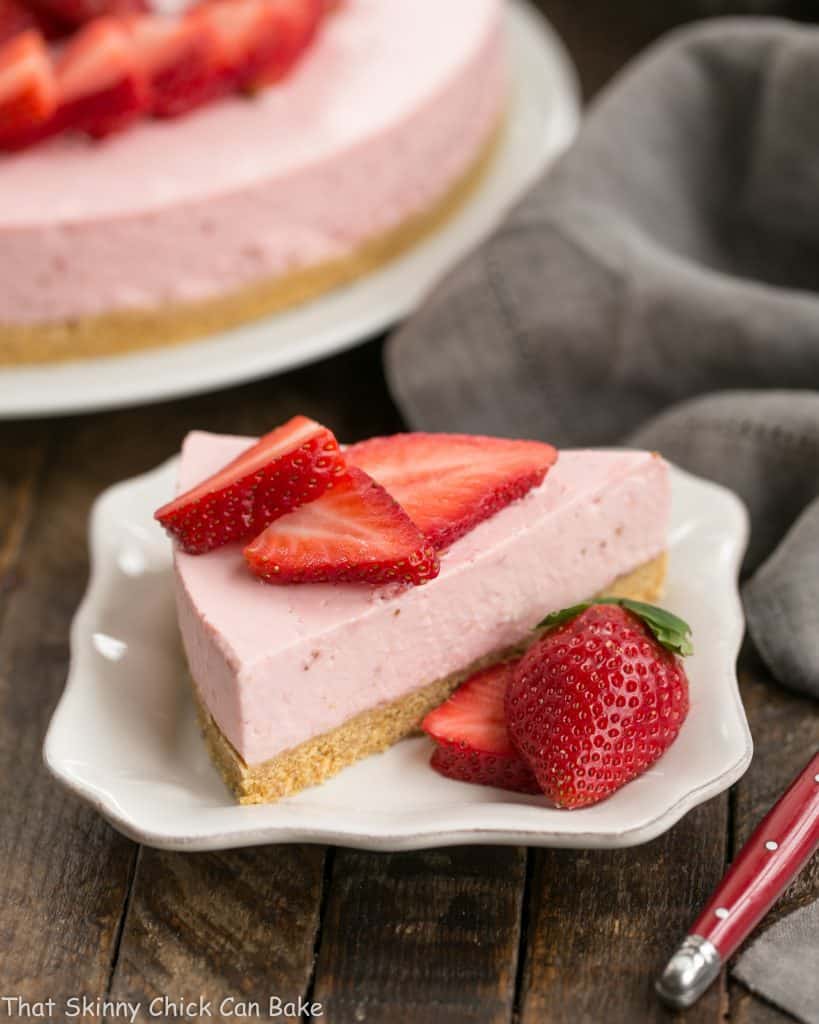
[295,682]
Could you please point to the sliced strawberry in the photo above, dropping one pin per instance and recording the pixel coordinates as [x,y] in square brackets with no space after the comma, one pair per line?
[448,483]
[180,59]
[28,92]
[260,39]
[14,19]
[291,465]
[354,533]
[472,743]
[296,22]
[101,86]
[78,12]
[244,30]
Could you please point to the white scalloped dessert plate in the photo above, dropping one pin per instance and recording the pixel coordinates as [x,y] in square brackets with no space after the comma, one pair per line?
[125,736]
[543,117]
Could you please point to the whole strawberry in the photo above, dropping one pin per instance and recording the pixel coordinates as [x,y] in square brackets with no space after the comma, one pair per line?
[599,698]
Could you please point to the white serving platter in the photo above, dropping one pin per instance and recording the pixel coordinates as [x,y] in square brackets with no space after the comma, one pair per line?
[125,738]
[543,117]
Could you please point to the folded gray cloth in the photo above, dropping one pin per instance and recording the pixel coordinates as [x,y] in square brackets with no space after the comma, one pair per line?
[673,251]
[765,446]
[781,964]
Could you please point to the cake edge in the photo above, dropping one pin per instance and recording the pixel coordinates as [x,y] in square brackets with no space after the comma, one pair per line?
[375,730]
[123,331]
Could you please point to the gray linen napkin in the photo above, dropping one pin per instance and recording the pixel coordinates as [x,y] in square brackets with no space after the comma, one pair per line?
[790,981]
[673,250]
[672,253]
[765,446]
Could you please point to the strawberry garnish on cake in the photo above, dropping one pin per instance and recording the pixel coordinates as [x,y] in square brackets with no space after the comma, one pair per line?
[318,516]
[259,40]
[123,64]
[354,533]
[78,12]
[102,86]
[292,465]
[28,90]
[15,18]
[181,60]
[472,742]
[448,483]
[295,23]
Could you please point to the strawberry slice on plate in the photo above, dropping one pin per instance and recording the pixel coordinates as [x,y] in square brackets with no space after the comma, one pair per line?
[28,91]
[180,59]
[293,464]
[354,533]
[472,742]
[448,483]
[101,85]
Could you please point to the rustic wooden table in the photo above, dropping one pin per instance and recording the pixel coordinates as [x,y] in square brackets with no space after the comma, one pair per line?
[448,935]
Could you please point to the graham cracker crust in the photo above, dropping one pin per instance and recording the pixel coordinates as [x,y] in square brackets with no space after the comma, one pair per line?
[124,331]
[373,731]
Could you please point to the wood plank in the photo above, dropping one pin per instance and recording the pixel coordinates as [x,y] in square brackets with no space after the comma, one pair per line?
[22,454]
[603,923]
[420,937]
[65,873]
[239,925]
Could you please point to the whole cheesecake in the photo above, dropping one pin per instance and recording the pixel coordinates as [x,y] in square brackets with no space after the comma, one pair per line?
[180,228]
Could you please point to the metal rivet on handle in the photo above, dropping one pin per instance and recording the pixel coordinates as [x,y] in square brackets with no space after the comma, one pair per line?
[771,845]
[721,913]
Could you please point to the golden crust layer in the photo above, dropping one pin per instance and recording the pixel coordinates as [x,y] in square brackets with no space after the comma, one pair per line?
[130,330]
[375,730]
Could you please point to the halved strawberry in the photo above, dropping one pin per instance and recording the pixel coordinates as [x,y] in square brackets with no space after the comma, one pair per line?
[291,465]
[28,92]
[102,87]
[472,743]
[180,59]
[448,483]
[354,533]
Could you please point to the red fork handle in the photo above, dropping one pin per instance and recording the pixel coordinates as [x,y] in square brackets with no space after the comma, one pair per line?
[779,848]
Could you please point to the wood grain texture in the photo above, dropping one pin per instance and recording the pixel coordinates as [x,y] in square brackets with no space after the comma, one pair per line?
[22,455]
[237,925]
[64,873]
[420,937]
[603,923]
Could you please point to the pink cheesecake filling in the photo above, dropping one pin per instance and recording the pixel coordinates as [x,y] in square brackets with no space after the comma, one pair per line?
[387,110]
[279,665]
